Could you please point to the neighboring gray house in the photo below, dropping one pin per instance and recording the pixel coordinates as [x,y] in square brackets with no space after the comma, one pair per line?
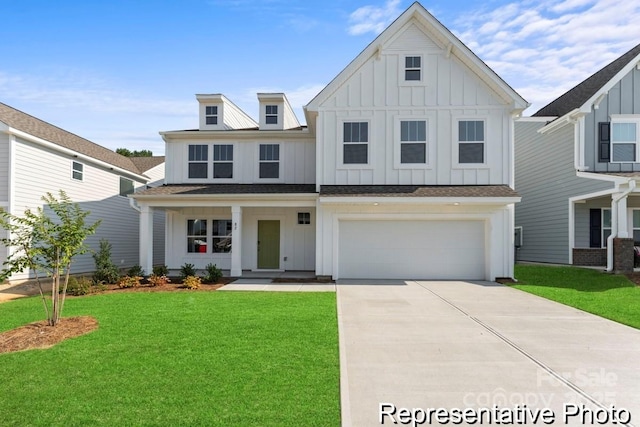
[37,157]
[577,166]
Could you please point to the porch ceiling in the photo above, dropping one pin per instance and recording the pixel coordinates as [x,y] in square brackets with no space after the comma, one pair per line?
[226,189]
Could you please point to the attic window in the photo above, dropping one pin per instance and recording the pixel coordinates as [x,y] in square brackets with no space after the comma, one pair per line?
[211,114]
[271,114]
[412,68]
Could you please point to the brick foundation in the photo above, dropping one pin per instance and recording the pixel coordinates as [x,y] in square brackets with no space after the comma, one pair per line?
[623,255]
[593,257]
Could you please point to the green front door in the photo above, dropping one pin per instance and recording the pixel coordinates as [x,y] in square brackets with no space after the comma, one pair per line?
[269,244]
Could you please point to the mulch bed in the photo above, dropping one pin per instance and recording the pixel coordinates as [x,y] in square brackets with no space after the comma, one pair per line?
[41,335]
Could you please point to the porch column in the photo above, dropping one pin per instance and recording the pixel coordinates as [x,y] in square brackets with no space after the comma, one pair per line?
[236,241]
[623,228]
[146,238]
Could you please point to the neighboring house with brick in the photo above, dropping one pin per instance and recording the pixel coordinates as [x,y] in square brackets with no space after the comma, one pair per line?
[404,170]
[37,157]
[577,166]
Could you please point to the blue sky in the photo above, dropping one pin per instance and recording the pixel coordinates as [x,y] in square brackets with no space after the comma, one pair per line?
[118,72]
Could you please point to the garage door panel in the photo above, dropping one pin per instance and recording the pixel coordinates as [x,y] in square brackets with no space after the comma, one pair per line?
[411,249]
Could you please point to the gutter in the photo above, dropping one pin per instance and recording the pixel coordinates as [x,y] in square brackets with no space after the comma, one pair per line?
[614,222]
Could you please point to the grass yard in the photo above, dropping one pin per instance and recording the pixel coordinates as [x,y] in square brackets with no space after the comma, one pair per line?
[611,296]
[210,358]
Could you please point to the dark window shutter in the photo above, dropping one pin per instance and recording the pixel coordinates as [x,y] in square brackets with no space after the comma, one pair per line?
[595,228]
[604,139]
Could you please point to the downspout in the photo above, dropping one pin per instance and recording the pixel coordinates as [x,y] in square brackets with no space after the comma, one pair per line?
[134,206]
[614,222]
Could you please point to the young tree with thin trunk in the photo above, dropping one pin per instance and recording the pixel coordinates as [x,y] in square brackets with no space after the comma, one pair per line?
[45,243]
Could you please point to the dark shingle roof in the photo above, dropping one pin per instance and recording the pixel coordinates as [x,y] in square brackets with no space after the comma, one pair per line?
[226,189]
[41,129]
[145,163]
[417,191]
[580,94]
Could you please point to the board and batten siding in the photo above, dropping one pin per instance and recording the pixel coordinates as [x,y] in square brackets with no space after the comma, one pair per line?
[546,179]
[623,98]
[377,93]
[297,161]
[40,170]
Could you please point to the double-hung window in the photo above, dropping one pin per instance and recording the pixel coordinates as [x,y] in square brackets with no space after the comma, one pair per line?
[198,161]
[271,114]
[77,171]
[471,141]
[624,139]
[222,235]
[606,226]
[636,227]
[269,161]
[223,161]
[197,235]
[126,186]
[356,143]
[413,141]
[211,114]
[412,68]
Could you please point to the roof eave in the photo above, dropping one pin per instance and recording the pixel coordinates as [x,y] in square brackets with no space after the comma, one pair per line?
[341,200]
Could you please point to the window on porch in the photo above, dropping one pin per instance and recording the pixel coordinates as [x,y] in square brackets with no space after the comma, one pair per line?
[222,230]
[197,235]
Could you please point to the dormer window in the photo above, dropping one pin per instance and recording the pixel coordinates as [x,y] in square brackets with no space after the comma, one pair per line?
[271,114]
[211,114]
[412,68]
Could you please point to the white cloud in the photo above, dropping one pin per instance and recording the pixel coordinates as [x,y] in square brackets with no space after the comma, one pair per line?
[544,48]
[373,18]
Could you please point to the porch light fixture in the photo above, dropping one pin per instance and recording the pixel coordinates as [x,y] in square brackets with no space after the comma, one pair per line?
[376,204]
[456,204]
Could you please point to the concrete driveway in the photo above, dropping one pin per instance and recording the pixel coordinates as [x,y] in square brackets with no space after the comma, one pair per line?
[458,345]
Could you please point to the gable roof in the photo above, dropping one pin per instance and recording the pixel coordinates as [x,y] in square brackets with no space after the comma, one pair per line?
[453,45]
[579,95]
[24,122]
[145,163]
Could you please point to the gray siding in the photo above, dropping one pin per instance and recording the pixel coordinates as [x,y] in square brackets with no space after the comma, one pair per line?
[4,168]
[545,178]
[623,98]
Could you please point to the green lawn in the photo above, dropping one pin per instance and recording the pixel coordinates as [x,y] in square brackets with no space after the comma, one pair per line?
[202,358]
[607,295]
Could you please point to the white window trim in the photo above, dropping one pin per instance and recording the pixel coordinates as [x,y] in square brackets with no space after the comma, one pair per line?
[280,161]
[297,223]
[277,115]
[430,117]
[625,118]
[402,68]
[132,183]
[81,172]
[455,153]
[340,143]
[234,168]
[630,220]
[209,166]
[209,253]
[217,115]
[603,239]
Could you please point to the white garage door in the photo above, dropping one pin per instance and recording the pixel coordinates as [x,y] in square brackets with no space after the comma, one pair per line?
[411,250]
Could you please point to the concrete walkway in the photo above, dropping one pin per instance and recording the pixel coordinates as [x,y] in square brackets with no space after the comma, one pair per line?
[269,285]
[470,345]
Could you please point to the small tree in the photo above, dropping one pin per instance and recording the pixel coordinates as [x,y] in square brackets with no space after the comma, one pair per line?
[46,244]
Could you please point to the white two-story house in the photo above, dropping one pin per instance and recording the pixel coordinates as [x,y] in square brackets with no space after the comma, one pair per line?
[404,170]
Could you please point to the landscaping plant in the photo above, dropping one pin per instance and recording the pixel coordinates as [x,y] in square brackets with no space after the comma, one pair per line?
[46,241]
[160,270]
[192,282]
[136,270]
[79,286]
[187,270]
[155,280]
[106,270]
[213,273]
[129,282]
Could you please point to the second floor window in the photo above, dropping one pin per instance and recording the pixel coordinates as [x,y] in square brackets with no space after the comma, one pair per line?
[269,161]
[77,171]
[126,186]
[198,158]
[624,141]
[413,141]
[412,68]
[471,141]
[355,149]
[211,114]
[223,161]
[271,114]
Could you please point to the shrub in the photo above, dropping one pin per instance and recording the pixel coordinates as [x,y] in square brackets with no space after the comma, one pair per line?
[187,270]
[136,270]
[213,273]
[106,270]
[129,282]
[155,280]
[192,282]
[79,286]
[160,270]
